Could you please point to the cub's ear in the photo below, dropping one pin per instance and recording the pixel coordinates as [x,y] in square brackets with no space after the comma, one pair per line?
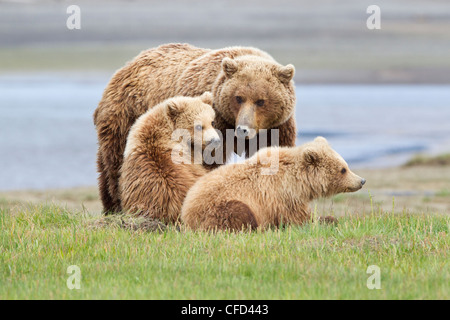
[173,109]
[229,67]
[321,140]
[286,73]
[207,98]
[311,157]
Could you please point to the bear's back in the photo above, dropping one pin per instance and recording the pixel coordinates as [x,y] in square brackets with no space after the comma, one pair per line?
[203,71]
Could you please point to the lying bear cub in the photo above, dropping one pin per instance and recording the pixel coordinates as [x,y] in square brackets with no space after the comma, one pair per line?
[241,196]
[151,182]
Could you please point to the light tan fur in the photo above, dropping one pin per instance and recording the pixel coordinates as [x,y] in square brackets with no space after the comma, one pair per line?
[183,70]
[151,184]
[238,196]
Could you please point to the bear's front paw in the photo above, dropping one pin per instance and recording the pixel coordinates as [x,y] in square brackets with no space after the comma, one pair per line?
[328,220]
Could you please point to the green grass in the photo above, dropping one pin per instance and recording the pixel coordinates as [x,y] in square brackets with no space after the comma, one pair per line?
[39,243]
[421,160]
[443,193]
[63,58]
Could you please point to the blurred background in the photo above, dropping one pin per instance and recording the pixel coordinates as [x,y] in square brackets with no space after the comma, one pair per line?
[379,96]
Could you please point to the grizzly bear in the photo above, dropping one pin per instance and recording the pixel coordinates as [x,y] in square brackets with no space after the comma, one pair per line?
[241,196]
[156,175]
[251,91]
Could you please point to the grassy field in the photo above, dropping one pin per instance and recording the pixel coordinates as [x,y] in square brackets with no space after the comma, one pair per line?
[39,243]
[399,223]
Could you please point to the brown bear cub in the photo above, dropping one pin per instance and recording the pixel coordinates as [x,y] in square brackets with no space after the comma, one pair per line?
[252,195]
[251,92]
[158,168]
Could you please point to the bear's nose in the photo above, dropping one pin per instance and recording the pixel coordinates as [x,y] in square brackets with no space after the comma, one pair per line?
[363,181]
[214,142]
[241,131]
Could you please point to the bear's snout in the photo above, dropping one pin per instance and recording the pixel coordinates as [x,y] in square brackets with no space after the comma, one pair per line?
[213,142]
[210,137]
[242,131]
[356,183]
[245,132]
[359,183]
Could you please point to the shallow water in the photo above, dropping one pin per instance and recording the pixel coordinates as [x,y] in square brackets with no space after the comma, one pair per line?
[48,140]
[378,125]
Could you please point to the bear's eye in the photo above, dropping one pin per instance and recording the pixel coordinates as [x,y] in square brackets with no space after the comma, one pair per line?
[213,124]
[343,171]
[260,103]
[239,99]
[198,127]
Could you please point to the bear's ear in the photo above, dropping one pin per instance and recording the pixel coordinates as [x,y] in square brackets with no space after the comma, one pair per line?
[207,98]
[311,157]
[286,73]
[321,140]
[229,67]
[173,109]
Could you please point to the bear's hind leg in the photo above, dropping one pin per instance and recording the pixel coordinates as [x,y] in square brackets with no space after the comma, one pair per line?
[234,215]
[109,183]
[103,187]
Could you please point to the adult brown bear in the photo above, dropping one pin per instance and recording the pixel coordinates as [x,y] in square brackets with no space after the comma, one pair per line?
[251,91]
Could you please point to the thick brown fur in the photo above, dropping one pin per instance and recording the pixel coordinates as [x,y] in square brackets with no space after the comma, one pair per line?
[183,70]
[237,196]
[153,182]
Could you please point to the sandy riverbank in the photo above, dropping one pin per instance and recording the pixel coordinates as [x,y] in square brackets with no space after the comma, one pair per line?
[328,42]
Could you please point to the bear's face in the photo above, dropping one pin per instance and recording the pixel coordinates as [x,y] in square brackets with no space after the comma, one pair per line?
[256,94]
[196,116]
[328,173]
